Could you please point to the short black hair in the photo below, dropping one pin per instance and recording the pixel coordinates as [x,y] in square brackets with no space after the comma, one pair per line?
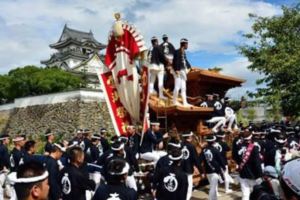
[30,169]
[29,144]
[115,166]
[55,148]
[176,152]
[47,132]
[174,141]
[74,152]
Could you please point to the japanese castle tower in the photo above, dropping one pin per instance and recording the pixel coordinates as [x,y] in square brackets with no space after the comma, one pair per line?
[77,52]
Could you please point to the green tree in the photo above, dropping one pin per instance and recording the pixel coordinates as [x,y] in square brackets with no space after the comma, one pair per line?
[32,80]
[4,88]
[251,114]
[273,48]
[215,69]
[55,80]
[21,84]
[275,112]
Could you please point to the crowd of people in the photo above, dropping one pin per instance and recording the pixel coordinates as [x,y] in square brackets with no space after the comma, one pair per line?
[89,166]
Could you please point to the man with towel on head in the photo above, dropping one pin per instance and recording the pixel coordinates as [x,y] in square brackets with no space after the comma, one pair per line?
[181,68]
[17,153]
[30,182]
[156,68]
[150,140]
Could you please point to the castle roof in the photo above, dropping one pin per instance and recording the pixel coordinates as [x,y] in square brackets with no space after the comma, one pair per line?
[78,37]
[65,55]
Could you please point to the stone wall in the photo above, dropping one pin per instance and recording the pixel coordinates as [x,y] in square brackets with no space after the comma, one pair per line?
[60,117]
[77,109]
[4,117]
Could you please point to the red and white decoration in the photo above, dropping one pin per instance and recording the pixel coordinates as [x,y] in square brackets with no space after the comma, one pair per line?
[126,91]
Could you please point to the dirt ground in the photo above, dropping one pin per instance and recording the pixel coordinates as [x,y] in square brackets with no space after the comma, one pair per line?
[202,193]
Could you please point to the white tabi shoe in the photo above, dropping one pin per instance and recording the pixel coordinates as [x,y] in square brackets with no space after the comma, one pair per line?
[187,105]
[229,191]
[163,98]
[176,103]
[229,130]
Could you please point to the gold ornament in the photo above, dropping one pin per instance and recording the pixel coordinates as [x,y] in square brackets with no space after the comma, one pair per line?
[115,96]
[121,112]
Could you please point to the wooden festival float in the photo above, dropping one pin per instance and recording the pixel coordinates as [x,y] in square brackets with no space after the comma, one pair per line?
[200,82]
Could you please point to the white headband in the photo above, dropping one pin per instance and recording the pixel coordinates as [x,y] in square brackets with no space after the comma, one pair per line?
[188,134]
[211,140]
[124,171]
[18,139]
[176,158]
[13,177]
[256,133]
[50,133]
[60,147]
[96,137]
[178,145]
[119,148]
[221,136]
[155,123]
[274,130]
[123,137]
[263,133]
[281,141]
[290,132]
[3,138]
[248,138]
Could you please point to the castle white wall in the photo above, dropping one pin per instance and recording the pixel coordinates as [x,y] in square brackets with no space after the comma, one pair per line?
[83,95]
[8,106]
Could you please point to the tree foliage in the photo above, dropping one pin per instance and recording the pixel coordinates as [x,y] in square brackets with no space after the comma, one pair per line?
[273,48]
[32,80]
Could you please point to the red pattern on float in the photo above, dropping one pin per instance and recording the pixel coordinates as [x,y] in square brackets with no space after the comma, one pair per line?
[126,99]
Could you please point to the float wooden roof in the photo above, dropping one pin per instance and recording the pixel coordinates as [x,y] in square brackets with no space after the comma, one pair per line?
[202,74]
[201,82]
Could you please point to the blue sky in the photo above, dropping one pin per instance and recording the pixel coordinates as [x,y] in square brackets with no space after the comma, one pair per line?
[213,27]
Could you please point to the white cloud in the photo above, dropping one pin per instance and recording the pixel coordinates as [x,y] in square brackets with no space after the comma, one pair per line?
[210,25]
[238,68]
[28,27]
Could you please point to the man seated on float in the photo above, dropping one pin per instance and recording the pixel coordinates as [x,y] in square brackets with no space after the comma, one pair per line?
[230,115]
[181,67]
[218,114]
[208,102]
[150,140]
[156,68]
[133,139]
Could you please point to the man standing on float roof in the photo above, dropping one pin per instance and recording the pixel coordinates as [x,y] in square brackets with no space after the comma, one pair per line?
[181,67]
[168,50]
[156,68]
